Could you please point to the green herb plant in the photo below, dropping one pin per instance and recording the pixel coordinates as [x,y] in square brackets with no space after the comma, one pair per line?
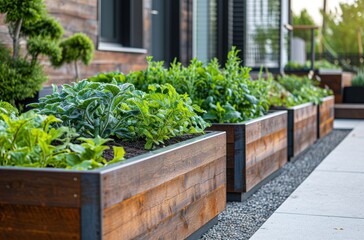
[303,88]
[227,94]
[30,141]
[358,80]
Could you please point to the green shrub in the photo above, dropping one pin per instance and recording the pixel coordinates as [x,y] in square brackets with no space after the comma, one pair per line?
[20,80]
[319,64]
[277,95]
[109,77]
[304,88]
[78,47]
[358,80]
[29,21]
[30,141]
[110,110]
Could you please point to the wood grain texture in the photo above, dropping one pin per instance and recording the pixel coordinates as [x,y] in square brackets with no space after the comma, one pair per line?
[38,223]
[180,187]
[132,179]
[304,124]
[266,148]
[148,213]
[32,187]
[336,82]
[255,149]
[350,111]
[325,116]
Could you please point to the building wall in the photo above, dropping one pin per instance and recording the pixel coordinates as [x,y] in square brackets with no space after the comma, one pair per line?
[81,16]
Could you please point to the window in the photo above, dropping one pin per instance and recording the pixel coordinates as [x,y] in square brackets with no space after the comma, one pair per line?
[121,25]
[204,29]
[257,32]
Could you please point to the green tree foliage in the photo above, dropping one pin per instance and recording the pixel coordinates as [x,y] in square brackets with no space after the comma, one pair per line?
[78,47]
[22,75]
[19,78]
[343,27]
[304,18]
[18,11]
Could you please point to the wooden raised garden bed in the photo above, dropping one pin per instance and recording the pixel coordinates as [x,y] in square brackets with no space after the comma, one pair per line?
[255,150]
[169,193]
[325,117]
[302,128]
[336,82]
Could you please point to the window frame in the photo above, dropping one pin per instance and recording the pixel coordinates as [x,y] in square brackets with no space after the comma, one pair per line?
[104,45]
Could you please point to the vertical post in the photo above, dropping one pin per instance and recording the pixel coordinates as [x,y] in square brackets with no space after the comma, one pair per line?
[312,49]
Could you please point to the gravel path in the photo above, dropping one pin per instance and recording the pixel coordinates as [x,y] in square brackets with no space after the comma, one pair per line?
[241,220]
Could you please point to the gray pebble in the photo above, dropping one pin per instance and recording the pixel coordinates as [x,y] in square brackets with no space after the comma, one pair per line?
[240,220]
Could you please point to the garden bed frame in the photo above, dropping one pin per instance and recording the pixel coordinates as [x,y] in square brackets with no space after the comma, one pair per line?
[302,128]
[256,150]
[170,193]
[325,116]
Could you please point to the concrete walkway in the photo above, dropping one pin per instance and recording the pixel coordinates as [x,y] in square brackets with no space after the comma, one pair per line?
[329,204]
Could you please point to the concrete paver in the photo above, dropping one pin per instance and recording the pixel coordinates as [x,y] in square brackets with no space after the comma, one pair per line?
[301,227]
[329,204]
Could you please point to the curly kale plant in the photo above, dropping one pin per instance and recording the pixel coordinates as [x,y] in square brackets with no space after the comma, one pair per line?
[121,111]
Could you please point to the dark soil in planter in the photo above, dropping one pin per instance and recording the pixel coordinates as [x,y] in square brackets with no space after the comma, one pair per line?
[136,148]
[353,95]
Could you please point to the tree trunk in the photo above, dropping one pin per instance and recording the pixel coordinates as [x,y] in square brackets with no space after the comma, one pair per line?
[76,71]
[16,37]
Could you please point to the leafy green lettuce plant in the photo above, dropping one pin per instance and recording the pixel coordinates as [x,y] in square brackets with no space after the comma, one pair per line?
[30,141]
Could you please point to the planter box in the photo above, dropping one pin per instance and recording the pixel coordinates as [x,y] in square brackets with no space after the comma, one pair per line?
[255,150]
[353,95]
[302,128]
[169,193]
[325,116]
[336,82]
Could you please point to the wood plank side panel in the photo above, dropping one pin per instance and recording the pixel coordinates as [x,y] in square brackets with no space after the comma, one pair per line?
[152,214]
[305,128]
[38,222]
[326,116]
[268,152]
[132,179]
[353,111]
[335,83]
[40,188]
[261,170]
